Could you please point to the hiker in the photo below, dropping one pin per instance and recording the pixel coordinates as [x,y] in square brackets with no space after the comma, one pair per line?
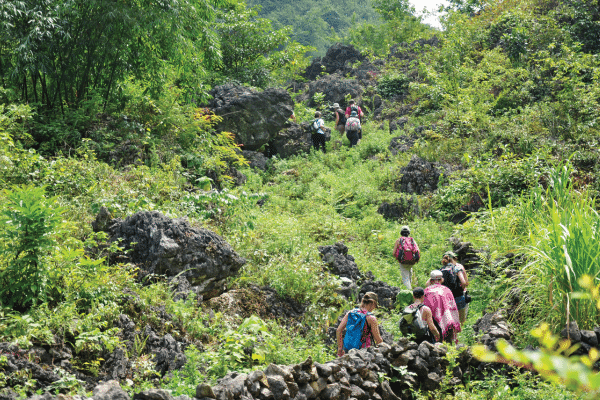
[359,335]
[352,106]
[340,119]
[443,307]
[417,319]
[318,135]
[452,267]
[353,129]
[406,251]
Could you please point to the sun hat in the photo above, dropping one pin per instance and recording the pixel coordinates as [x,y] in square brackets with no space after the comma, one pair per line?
[371,296]
[451,254]
[336,105]
[436,274]
[405,229]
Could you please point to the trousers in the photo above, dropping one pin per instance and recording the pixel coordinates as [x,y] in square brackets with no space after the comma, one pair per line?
[406,273]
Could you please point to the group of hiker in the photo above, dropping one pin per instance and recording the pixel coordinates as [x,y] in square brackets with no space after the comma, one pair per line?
[438,310]
[348,122]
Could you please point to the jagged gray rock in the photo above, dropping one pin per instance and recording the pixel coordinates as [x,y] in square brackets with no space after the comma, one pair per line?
[335,87]
[419,176]
[339,262]
[159,245]
[254,117]
[110,390]
[291,140]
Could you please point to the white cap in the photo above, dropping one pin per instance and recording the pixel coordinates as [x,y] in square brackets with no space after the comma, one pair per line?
[436,274]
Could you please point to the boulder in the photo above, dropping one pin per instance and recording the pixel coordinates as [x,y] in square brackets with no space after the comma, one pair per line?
[408,52]
[253,117]
[492,327]
[110,390]
[339,58]
[159,245]
[468,256]
[339,262]
[475,204]
[419,176]
[571,332]
[255,159]
[386,294]
[291,140]
[117,364]
[262,301]
[335,88]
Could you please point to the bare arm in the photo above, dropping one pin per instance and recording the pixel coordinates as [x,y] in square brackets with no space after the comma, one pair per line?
[337,117]
[462,276]
[428,317]
[372,321]
[339,337]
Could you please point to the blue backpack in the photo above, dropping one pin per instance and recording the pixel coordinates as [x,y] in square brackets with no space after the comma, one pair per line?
[354,329]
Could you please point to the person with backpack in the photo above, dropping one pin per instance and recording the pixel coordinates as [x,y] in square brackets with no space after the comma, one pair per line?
[455,278]
[360,325]
[340,119]
[407,252]
[353,129]
[352,106]
[417,320]
[318,134]
[440,301]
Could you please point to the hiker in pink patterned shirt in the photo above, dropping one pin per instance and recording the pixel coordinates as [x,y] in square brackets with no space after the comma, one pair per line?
[443,307]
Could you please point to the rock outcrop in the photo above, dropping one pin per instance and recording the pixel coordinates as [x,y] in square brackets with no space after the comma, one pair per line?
[335,87]
[339,262]
[291,140]
[254,117]
[339,58]
[492,327]
[159,245]
[419,176]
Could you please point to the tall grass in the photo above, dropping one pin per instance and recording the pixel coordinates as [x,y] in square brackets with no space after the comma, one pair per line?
[564,245]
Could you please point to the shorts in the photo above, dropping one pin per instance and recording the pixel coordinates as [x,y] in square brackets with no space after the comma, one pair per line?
[460,302]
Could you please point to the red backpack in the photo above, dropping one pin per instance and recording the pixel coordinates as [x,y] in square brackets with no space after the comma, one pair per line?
[407,251]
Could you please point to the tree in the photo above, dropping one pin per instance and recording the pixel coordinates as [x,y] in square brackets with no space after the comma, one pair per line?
[252,49]
[56,52]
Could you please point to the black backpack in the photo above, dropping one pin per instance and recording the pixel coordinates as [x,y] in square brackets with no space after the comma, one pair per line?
[342,120]
[451,280]
[354,108]
[411,323]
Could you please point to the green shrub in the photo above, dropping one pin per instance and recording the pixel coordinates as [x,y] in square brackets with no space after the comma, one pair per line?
[393,84]
[30,220]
